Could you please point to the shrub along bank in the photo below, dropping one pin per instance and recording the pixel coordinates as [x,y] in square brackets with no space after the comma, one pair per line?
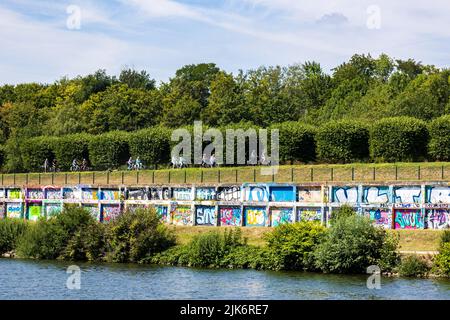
[387,140]
[350,245]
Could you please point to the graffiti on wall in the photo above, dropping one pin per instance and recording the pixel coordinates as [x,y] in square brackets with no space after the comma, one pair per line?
[182,194]
[407,194]
[205,194]
[205,216]
[137,194]
[14,193]
[230,216]
[52,209]
[438,219]
[345,194]
[229,193]
[89,194]
[162,211]
[256,193]
[376,195]
[379,216]
[438,195]
[73,193]
[14,210]
[181,215]
[309,214]
[53,194]
[256,217]
[93,209]
[34,211]
[409,219]
[282,216]
[2,193]
[110,212]
[309,195]
[109,194]
[35,193]
[159,193]
[282,194]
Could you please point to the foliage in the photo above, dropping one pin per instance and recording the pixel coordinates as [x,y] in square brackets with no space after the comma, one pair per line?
[439,147]
[351,245]
[109,150]
[342,141]
[343,211]
[137,236]
[399,139]
[151,145]
[413,266]
[70,147]
[293,245]
[34,152]
[296,142]
[10,231]
[442,260]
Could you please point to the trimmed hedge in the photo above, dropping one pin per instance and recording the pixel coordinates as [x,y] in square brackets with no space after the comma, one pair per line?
[34,152]
[151,145]
[342,141]
[439,147]
[296,142]
[109,150]
[67,148]
[399,139]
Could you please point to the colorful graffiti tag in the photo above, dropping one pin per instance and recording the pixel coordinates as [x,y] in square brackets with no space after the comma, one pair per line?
[35,194]
[309,195]
[205,216]
[376,195]
[72,193]
[438,195]
[182,194]
[345,194]
[14,194]
[160,193]
[110,212]
[137,194]
[53,194]
[181,215]
[230,216]
[205,194]
[379,216]
[232,193]
[14,210]
[256,193]
[309,214]
[109,194]
[162,211]
[34,211]
[282,216]
[438,219]
[256,217]
[90,194]
[407,194]
[409,219]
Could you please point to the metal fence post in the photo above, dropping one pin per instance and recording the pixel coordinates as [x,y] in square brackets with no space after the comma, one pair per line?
[374,173]
[292,174]
[236,175]
[353,173]
[312,174]
[418,172]
[107,177]
[254,175]
[332,173]
[396,173]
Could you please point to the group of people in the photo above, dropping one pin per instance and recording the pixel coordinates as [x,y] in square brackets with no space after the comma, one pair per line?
[79,165]
[135,164]
[50,167]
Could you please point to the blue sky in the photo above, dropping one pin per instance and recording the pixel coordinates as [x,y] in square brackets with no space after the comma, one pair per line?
[160,36]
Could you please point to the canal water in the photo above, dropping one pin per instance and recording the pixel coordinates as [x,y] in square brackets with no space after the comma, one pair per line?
[27,279]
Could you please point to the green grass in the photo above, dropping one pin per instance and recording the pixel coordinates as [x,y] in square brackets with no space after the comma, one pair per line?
[361,172]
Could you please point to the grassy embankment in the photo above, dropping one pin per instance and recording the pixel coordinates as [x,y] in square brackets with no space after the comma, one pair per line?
[410,240]
[356,172]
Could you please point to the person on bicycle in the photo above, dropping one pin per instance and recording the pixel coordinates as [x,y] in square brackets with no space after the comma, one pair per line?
[130,163]
[74,165]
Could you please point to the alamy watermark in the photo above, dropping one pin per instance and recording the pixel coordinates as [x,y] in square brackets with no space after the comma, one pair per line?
[209,146]
[74,280]
[73,21]
[374,280]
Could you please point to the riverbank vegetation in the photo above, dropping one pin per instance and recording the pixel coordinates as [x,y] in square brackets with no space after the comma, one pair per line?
[106,119]
[350,245]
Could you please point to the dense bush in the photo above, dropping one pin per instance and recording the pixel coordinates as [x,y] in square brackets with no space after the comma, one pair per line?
[109,150]
[413,266]
[399,139]
[296,142]
[67,148]
[34,151]
[343,211]
[442,260]
[342,141]
[137,236]
[293,244]
[439,147]
[10,231]
[151,145]
[48,239]
[351,245]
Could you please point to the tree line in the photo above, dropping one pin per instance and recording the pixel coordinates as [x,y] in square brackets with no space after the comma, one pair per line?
[339,141]
[363,88]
